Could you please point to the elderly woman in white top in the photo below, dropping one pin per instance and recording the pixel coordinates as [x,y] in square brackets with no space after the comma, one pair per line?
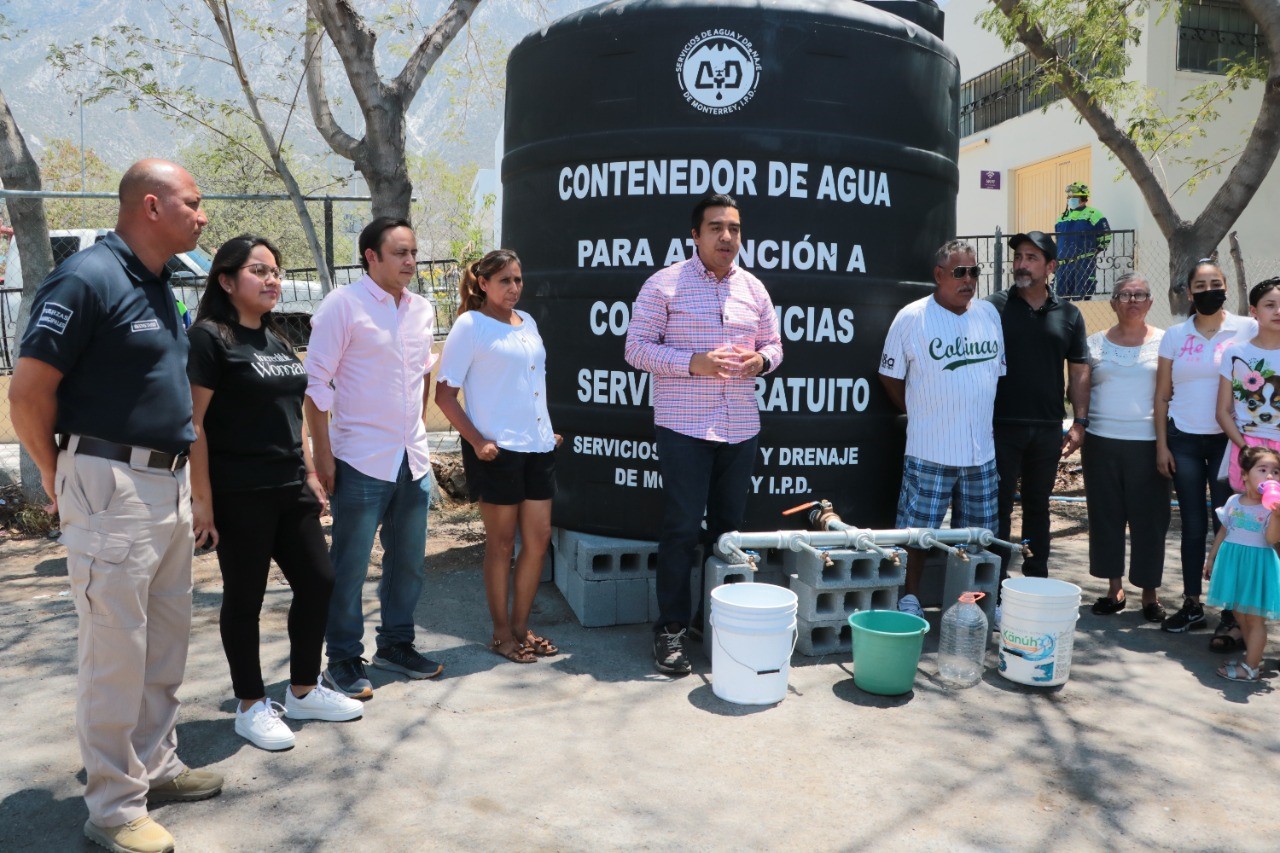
[1189,442]
[495,356]
[1121,483]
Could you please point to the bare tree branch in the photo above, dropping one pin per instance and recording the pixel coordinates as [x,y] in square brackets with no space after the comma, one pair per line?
[342,143]
[431,47]
[222,18]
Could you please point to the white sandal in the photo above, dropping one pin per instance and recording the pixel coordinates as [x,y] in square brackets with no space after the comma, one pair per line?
[1240,671]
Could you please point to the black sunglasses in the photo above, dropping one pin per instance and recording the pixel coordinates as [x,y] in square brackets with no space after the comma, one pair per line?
[967,272]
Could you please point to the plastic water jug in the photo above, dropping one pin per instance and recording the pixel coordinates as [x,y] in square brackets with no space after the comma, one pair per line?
[962,650]
[1270,491]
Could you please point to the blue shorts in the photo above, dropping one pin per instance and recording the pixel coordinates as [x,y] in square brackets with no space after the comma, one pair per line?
[928,489]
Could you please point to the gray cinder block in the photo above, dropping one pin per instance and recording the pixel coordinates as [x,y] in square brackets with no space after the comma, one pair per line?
[848,569]
[606,556]
[823,637]
[826,604]
[599,603]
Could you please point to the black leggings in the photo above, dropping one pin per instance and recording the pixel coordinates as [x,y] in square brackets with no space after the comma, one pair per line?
[253,527]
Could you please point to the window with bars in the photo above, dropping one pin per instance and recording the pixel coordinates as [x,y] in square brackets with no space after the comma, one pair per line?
[1215,33]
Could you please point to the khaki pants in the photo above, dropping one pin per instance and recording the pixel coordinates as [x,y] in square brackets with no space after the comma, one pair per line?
[127,529]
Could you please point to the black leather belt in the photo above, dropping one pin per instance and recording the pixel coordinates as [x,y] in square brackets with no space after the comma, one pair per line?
[123,453]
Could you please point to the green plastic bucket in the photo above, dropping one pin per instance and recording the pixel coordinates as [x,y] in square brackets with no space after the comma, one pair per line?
[886,650]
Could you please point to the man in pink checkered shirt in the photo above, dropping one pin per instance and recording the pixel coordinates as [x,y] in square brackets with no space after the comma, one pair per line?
[705,329]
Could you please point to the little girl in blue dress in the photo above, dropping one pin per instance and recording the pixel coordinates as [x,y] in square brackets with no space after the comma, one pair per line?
[1243,569]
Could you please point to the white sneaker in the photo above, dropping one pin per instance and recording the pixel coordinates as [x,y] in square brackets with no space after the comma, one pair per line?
[321,703]
[261,725]
[910,604]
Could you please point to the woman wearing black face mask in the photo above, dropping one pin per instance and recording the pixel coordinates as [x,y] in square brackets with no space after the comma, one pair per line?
[1189,443]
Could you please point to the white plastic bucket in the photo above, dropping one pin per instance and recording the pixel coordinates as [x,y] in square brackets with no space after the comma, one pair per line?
[753,633]
[1037,630]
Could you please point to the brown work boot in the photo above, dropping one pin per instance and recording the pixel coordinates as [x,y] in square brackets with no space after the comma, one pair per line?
[142,835]
[187,786]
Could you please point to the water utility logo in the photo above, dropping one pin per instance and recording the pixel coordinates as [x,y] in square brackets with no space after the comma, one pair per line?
[718,71]
[962,351]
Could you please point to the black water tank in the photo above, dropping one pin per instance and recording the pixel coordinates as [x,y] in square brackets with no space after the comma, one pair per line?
[833,123]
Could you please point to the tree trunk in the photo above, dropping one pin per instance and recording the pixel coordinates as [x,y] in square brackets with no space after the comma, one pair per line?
[383,163]
[18,171]
[1242,281]
[1186,246]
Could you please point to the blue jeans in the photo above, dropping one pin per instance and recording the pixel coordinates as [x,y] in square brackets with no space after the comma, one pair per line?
[359,502]
[1196,459]
[697,475]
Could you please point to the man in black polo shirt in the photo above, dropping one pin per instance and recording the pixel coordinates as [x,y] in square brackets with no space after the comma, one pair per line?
[1041,332]
[103,365]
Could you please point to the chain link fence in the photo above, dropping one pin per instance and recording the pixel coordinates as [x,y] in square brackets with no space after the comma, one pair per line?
[77,220]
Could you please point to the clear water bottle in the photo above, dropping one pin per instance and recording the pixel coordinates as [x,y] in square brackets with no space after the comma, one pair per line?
[962,650]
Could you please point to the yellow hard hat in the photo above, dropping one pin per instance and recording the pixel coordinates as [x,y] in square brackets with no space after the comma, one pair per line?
[1077,190]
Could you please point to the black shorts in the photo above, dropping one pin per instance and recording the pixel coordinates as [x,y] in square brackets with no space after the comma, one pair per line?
[511,478]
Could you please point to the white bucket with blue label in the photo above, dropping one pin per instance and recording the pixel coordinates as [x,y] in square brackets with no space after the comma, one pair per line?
[1037,630]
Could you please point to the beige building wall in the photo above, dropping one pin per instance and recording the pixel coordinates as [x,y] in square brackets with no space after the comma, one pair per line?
[1038,136]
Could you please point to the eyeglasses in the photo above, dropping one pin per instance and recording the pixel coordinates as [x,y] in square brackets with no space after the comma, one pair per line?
[1132,296]
[967,272]
[264,272]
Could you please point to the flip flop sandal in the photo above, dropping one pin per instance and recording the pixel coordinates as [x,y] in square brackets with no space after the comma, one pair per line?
[520,653]
[540,646]
[1239,671]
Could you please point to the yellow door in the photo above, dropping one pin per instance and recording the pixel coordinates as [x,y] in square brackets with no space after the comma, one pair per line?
[1039,190]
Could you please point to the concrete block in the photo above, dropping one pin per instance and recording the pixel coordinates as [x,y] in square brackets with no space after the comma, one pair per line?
[599,557]
[945,576]
[981,573]
[849,570]
[826,604]
[823,637]
[599,603]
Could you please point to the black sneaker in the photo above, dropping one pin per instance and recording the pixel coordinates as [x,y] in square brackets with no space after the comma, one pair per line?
[1190,617]
[347,676]
[404,659]
[668,652]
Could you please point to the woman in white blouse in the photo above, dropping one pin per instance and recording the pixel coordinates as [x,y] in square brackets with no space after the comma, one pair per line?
[1122,486]
[1189,443]
[495,357]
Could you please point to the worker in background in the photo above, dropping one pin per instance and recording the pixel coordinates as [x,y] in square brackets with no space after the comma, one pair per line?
[1083,234]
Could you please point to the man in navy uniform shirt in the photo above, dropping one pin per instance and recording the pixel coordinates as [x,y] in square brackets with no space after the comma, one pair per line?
[103,366]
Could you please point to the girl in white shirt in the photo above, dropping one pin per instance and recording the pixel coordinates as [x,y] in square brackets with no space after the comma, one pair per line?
[1189,443]
[495,356]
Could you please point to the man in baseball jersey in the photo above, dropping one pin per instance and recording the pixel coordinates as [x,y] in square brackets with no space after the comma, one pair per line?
[942,359]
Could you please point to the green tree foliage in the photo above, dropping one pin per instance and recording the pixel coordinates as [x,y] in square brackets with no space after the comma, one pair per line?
[448,224]
[60,170]
[244,169]
[1083,49]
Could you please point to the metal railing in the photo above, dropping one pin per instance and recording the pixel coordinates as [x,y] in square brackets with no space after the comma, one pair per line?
[1117,258]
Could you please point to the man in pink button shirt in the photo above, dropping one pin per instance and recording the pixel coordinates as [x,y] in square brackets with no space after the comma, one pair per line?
[705,329]
[367,364]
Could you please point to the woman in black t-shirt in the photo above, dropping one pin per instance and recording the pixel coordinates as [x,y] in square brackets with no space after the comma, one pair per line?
[254,492]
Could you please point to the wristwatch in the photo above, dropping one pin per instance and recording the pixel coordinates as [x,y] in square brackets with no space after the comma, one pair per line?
[767,363]
[1084,422]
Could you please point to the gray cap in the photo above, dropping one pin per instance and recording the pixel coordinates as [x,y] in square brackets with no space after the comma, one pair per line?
[1040,240]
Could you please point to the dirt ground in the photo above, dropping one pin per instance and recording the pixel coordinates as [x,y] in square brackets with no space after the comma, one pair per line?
[1143,748]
